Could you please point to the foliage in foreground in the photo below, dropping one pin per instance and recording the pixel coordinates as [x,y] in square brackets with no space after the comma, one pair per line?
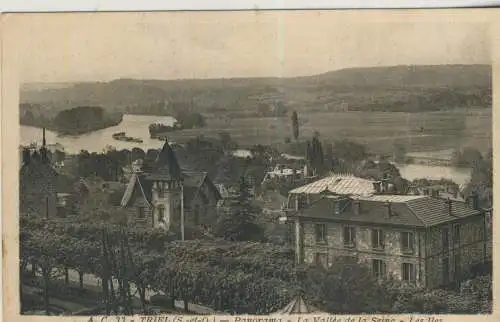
[236,277]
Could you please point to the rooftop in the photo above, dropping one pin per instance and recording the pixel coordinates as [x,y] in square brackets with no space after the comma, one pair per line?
[342,184]
[414,211]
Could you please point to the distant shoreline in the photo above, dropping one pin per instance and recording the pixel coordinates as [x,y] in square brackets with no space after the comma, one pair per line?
[63,132]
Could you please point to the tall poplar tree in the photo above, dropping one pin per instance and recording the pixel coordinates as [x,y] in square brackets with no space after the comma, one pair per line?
[295,125]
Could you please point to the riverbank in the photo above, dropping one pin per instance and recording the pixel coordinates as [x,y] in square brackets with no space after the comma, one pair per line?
[89,128]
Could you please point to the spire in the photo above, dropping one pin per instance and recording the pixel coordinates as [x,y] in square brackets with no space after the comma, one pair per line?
[166,163]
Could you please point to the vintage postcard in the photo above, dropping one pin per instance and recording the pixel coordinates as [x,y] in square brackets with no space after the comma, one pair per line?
[314,166]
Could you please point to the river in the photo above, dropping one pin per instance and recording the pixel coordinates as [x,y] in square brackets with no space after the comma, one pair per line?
[133,125]
[137,126]
[418,171]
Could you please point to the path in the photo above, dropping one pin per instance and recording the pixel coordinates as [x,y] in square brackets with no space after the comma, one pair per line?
[91,280]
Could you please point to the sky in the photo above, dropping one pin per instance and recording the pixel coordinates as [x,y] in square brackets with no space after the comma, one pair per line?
[106,46]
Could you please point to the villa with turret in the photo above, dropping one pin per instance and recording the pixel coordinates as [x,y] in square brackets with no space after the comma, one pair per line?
[160,194]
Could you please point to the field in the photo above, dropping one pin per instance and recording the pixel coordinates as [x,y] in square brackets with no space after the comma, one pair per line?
[429,131]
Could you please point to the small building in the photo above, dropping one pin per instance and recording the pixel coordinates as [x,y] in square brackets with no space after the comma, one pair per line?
[283,172]
[161,195]
[420,239]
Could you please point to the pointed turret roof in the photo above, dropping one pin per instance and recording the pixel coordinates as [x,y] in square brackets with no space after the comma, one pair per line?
[165,166]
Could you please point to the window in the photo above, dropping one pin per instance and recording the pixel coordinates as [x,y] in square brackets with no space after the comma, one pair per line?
[336,207]
[378,268]
[456,234]
[140,213]
[161,214]
[349,236]
[445,239]
[408,272]
[407,242]
[446,270]
[320,260]
[301,201]
[321,233]
[377,239]
[161,190]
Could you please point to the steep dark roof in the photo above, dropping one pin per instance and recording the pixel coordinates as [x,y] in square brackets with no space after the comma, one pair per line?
[166,165]
[137,185]
[414,211]
[140,184]
[194,179]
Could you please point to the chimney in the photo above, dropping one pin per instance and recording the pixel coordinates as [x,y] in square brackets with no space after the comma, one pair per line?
[473,201]
[356,204]
[44,142]
[449,206]
[385,186]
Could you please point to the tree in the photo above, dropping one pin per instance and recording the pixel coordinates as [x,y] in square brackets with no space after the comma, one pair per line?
[226,141]
[467,157]
[58,156]
[399,152]
[239,223]
[349,151]
[345,287]
[295,125]
[314,154]
[481,181]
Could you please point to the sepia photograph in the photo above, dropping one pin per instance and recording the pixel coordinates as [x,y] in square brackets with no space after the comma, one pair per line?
[262,163]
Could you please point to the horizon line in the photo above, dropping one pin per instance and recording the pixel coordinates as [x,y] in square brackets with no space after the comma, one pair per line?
[251,77]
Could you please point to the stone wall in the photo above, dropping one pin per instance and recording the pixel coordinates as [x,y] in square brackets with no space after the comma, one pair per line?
[429,257]
[461,254]
[133,214]
[392,254]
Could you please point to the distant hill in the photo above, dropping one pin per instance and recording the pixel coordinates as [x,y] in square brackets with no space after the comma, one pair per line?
[397,88]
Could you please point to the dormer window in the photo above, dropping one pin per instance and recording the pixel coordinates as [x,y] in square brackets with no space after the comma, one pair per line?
[336,207]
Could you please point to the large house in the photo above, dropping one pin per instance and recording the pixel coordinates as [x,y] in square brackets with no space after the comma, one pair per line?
[160,195]
[427,240]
